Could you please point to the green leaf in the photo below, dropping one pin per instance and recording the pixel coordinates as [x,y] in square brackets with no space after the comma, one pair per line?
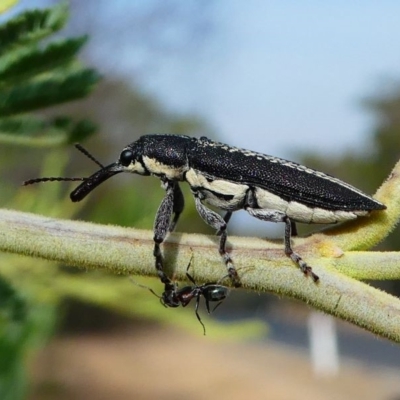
[75,131]
[12,307]
[32,26]
[52,90]
[35,131]
[23,126]
[33,77]
[27,62]
[13,322]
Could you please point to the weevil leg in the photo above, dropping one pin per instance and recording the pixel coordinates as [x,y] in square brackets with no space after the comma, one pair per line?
[161,227]
[294,228]
[217,222]
[227,217]
[304,267]
[277,216]
[178,205]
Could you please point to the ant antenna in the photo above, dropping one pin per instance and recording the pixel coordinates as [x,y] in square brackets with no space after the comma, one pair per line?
[148,288]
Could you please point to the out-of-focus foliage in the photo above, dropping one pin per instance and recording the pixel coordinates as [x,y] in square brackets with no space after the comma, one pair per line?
[25,323]
[34,75]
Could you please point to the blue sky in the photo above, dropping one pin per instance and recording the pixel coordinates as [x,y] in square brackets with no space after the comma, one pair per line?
[276,76]
[290,75]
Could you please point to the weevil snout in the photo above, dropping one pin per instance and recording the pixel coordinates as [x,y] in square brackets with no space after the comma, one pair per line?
[94,180]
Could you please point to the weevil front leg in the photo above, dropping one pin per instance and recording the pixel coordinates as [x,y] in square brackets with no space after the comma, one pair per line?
[178,205]
[219,224]
[277,216]
[162,225]
[293,227]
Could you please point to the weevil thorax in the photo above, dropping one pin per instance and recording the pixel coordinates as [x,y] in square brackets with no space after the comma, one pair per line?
[159,155]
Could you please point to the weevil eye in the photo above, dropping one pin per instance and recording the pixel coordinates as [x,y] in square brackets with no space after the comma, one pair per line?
[126,157]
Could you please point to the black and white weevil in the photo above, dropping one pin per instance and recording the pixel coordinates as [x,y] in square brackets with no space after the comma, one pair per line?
[231,179]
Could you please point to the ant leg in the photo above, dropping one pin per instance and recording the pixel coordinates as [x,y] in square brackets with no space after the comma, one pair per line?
[196,310]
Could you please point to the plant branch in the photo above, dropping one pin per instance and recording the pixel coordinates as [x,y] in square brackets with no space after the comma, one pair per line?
[262,264]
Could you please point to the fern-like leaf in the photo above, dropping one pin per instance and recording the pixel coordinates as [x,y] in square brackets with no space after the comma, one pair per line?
[56,89]
[32,26]
[26,62]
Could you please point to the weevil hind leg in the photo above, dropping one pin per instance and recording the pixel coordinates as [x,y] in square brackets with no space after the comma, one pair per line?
[278,216]
[306,269]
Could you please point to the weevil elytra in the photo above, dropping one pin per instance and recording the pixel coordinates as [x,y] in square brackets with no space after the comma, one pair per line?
[231,179]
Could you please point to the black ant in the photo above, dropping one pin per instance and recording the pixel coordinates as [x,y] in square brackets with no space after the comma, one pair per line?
[174,297]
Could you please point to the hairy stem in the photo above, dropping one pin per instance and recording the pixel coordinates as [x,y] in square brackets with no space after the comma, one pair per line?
[261,264]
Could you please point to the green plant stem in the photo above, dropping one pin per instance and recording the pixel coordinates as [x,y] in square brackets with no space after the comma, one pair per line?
[334,254]
[262,264]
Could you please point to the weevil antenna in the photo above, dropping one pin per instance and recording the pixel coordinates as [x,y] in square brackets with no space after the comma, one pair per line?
[88,155]
[51,179]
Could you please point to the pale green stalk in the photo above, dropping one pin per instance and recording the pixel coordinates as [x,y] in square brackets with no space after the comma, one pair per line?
[261,263]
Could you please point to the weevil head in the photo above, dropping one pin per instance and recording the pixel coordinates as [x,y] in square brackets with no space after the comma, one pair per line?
[131,159]
[128,161]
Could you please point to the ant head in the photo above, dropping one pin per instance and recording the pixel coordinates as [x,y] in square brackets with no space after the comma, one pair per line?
[170,298]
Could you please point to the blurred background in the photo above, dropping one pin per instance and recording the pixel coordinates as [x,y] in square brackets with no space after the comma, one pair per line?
[314,82]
